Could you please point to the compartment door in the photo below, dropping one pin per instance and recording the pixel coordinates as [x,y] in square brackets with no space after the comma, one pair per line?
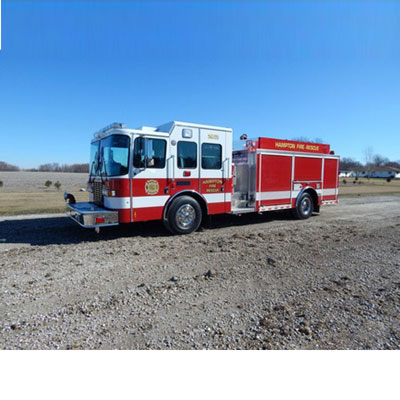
[331,180]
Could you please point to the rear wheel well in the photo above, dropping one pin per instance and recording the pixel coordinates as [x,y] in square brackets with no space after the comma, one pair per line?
[314,198]
[194,195]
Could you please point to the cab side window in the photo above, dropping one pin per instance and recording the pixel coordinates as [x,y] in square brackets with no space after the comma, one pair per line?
[187,155]
[149,153]
[211,156]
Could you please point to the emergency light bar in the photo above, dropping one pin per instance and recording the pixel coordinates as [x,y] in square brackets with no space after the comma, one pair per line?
[114,125]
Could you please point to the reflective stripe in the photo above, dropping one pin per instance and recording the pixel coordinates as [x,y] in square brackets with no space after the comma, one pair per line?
[330,192]
[328,202]
[122,203]
[149,201]
[272,208]
[274,195]
[117,203]
[217,197]
[285,194]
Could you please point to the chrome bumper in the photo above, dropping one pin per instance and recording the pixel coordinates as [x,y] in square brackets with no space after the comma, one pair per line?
[90,215]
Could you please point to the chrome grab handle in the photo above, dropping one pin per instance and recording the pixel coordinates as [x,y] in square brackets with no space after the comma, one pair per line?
[225,169]
[172,177]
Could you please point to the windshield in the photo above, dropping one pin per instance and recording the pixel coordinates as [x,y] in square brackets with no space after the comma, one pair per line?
[110,156]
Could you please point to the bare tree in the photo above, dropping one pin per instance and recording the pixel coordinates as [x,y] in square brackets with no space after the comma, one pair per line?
[379,160]
[393,164]
[368,155]
[347,163]
[306,139]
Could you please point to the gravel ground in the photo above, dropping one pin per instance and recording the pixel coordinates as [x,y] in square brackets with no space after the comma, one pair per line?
[251,282]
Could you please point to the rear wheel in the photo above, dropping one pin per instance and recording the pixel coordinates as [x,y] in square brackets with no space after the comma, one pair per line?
[184,215]
[304,207]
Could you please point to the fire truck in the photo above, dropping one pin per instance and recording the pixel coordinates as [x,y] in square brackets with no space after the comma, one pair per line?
[182,172]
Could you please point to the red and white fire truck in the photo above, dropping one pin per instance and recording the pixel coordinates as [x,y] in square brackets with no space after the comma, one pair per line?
[181,172]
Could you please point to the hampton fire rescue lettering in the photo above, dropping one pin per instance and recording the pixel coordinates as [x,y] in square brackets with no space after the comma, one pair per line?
[151,187]
[212,185]
[297,146]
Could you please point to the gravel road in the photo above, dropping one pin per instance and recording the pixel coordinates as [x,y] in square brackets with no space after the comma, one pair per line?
[251,282]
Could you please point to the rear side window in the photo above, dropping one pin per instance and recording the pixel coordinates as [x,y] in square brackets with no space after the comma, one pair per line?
[211,156]
[187,155]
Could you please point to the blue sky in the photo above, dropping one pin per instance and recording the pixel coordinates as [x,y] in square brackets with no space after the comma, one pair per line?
[280,69]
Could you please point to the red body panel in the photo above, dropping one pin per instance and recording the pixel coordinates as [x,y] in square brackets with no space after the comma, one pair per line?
[124,216]
[276,172]
[120,186]
[147,214]
[331,173]
[307,169]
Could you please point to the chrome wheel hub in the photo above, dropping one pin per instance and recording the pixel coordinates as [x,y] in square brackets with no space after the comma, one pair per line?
[185,216]
[305,206]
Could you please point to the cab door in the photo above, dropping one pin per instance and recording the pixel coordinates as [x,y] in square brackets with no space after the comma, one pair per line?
[214,170]
[183,168]
[149,177]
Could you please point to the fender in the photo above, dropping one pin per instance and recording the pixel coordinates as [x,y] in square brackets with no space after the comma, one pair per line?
[307,188]
[183,192]
[314,196]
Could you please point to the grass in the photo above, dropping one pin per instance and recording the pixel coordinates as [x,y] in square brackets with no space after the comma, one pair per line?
[14,203]
[373,186]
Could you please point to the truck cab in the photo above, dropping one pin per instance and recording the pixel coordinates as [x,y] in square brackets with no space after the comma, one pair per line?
[136,174]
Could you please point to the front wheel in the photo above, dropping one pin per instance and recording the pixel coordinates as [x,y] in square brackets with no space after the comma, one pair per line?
[304,207]
[184,215]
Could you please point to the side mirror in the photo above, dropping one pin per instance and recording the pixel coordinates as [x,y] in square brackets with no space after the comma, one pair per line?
[142,154]
[150,162]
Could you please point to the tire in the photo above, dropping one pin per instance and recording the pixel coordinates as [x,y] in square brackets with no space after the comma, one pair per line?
[304,207]
[184,216]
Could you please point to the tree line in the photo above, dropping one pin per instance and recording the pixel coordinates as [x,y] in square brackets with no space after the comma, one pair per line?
[50,167]
[55,167]
[371,160]
[8,167]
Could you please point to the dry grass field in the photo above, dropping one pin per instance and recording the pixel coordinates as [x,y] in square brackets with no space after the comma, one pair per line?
[364,186]
[25,192]
[48,201]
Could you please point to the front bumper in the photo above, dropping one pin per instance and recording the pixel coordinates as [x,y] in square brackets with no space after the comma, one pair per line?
[90,215]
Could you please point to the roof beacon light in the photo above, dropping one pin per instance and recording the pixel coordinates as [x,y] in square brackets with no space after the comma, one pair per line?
[114,125]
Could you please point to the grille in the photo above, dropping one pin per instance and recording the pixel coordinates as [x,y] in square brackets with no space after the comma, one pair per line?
[97,192]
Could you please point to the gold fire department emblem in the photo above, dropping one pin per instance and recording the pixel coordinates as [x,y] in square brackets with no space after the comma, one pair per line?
[151,187]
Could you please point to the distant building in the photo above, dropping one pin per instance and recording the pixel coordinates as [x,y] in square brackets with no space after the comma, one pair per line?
[371,172]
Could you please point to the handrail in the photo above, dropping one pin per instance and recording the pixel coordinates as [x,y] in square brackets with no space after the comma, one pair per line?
[227,169]
[172,177]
